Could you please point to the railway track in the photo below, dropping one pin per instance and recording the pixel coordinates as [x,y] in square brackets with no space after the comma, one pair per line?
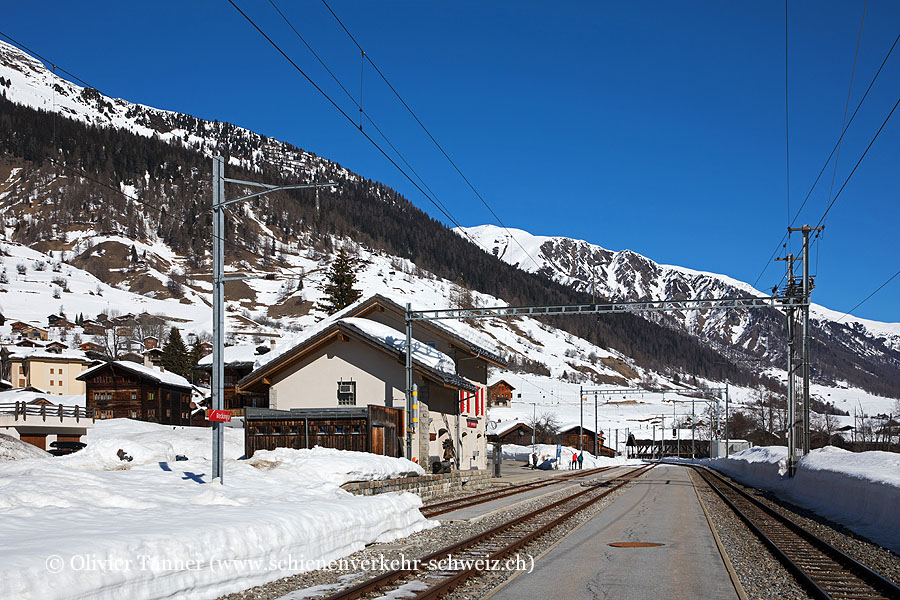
[439,508]
[823,570]
[440,572]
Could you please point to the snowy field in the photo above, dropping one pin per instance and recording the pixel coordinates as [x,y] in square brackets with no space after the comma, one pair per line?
[89,525]
[858,490]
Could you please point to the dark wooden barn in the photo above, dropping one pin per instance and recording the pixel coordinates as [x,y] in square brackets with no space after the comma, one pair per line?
[569,437]
[375,429]
[123,389]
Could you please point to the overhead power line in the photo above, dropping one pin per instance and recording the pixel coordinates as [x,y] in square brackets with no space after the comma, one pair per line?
[350,120]
[368,58]
[828,160]
[864,300]
[358,105]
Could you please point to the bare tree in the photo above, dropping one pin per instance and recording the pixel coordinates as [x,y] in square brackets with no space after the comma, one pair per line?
[545,425]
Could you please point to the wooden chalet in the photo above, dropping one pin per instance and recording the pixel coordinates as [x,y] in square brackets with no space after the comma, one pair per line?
[513,432]
[18,326]
[568,436]
[500,393]
[239,361]
[151,342]
[123,389]
[93,328]
[35,333]
[375,429]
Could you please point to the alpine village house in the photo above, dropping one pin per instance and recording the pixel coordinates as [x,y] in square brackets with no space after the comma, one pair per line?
[356,358]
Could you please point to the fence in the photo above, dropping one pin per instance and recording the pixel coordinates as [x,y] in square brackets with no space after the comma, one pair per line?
[24,410]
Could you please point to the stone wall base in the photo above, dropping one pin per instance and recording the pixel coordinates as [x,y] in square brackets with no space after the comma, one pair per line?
[426,486]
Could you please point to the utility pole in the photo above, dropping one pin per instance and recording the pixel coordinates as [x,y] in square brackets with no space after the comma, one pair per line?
[581,399]
[791,400]
[807,288]
[596,419]
[410,424]
[693,427]
[218,280]
[726,420]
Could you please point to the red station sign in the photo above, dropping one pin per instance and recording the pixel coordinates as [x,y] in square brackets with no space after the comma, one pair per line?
[219,416]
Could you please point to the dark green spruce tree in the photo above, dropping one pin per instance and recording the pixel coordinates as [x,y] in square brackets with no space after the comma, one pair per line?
[339,291]
[175,356]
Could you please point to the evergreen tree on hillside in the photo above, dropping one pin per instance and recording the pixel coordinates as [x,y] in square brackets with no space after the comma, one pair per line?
[339,289]
[194,356]
[175,354]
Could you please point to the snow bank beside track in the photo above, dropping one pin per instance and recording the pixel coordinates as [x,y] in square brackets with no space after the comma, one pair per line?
[860,490]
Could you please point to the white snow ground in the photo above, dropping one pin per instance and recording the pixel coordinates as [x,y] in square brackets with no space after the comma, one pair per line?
[91,526]
[858,490]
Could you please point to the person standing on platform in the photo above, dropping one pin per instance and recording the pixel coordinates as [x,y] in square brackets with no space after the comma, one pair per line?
[581,460]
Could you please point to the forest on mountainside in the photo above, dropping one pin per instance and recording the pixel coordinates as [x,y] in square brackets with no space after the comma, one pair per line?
[72,172]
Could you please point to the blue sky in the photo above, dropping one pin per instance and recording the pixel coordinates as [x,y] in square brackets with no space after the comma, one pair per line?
[654,126]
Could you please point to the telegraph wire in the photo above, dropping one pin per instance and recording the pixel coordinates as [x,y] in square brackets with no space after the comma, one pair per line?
[828,160]
[359,106]
[864,300]
[849,92]
[350,119]
[428,133]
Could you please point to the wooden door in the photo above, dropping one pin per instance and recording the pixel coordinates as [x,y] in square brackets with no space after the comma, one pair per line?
[378,439]
[35,439]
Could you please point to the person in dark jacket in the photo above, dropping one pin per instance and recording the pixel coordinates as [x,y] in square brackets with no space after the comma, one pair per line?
[580,460]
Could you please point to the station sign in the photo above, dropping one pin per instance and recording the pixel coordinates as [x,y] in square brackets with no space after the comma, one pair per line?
[219,416]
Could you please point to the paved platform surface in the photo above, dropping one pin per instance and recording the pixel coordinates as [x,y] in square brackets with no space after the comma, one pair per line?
[661,507]
[481,510]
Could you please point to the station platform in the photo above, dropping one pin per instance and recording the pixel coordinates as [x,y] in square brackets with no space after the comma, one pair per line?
[661,508]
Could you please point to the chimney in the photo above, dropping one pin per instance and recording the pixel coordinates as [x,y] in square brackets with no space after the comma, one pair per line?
[162,369]
[272,343]
[147,362]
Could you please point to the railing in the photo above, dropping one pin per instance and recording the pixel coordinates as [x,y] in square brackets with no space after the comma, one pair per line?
[25,410]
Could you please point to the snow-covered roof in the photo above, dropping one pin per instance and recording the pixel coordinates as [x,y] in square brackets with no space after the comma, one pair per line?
[389,336]
[241,354]
[166,377]
[42,354]
[423,355]
[30,395]
[504,426]
[459,331]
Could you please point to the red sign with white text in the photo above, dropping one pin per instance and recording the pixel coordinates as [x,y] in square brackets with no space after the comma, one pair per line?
[472,422]
[219,416]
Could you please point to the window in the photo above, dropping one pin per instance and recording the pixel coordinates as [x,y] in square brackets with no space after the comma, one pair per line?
[51,382]
[339,429]
[151,412]
[357,429]
[346,393]
[96,396]
[134,414]
[133,396]
[150,396]
[321,430]
[51,371]
[60,383]
[294,430]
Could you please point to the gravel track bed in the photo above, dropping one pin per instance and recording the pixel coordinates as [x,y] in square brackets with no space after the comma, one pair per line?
[760,574]
[426,542]
[880,560]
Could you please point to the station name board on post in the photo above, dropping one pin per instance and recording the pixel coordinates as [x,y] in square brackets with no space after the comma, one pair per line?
[219,416]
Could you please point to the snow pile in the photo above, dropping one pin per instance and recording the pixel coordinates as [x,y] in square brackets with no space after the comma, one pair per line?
[147,443]
[14,449]
[859,490]
[547,456]
[76,526]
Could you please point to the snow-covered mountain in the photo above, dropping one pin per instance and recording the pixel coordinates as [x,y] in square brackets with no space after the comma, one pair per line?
[160,185]
[627,276]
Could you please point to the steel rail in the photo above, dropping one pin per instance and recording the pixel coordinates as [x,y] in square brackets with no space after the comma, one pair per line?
[821,580]
[439,508]
[454,580]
